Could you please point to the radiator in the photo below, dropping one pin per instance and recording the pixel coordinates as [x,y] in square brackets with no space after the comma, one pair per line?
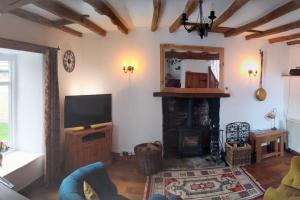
[293,127]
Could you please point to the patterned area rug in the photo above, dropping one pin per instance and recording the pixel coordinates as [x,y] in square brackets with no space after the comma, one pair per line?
[222,183]
[191,163]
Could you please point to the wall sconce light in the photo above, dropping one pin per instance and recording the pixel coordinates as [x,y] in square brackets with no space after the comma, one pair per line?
[129,68]
[252,72]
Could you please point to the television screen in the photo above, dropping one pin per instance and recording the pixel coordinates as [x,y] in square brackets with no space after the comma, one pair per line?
[87,110]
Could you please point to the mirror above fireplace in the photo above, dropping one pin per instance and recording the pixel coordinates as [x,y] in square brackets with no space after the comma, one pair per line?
[191,70]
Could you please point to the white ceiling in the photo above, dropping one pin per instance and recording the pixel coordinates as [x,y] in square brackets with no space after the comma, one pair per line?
[138,13]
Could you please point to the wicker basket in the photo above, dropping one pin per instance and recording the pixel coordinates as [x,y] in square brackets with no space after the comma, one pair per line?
[149,157]
[238,156]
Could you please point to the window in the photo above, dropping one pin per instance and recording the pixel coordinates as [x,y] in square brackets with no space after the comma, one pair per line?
[6,65]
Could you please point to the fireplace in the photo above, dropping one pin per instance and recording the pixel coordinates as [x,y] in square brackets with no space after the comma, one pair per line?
[187,124]
[193,141]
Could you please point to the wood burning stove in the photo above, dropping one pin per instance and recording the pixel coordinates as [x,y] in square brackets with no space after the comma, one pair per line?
[186,125]
[193,142]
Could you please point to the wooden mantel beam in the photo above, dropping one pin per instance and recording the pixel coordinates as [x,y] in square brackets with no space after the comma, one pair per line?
[233,8]
[156,13]
[8,5]
[192,55]
[278,12]
[278,29]
[44,21]
[293,42]
[104,8]
[190,6]
[65,12]
[284,38]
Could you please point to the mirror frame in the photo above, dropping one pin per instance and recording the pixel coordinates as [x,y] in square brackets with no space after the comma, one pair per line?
[164,47]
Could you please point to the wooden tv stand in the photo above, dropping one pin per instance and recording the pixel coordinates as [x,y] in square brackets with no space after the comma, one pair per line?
[88,146]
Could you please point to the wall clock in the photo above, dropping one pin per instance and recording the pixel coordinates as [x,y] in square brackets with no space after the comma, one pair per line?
[69,61]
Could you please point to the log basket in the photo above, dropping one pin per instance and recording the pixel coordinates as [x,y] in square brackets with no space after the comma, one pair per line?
[149,157]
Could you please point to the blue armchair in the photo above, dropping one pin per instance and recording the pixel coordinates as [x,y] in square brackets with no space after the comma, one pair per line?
[96,176]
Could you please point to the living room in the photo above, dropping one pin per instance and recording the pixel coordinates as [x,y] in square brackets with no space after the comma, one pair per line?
[123,48]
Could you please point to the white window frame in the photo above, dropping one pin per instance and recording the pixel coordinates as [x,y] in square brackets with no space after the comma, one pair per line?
[12,98]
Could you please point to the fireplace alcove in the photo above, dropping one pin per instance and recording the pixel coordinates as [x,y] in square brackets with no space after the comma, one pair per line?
[187,125]
[190,112]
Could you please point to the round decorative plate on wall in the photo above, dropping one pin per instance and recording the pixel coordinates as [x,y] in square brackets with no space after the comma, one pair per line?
[69,61]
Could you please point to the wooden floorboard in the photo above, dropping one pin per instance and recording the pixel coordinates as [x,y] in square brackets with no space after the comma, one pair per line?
[129,181]
[131,184]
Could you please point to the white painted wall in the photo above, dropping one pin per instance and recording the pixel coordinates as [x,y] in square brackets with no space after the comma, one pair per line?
[292,85]
[292,98]
[137,115]
[29,99]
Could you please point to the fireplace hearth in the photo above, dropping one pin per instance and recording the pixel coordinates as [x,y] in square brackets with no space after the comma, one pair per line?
[187,124]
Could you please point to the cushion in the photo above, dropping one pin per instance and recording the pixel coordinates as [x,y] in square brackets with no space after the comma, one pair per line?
[292,179]
[89,192]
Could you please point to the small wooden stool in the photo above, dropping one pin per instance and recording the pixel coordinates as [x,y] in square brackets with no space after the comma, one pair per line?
[258,138]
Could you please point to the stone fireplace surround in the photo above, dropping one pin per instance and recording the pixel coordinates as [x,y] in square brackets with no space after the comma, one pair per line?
[187,125]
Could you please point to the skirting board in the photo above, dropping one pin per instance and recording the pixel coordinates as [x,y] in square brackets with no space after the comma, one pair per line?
[293,152]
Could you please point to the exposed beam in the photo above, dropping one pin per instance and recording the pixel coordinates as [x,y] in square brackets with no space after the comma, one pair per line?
[279,29]
[190,6]
[69,30]
[65,12]
[297,2]
[104,8]
[156,12]
[22,46]
[284,38]
[192,55]
[278,12]
[8,5]
[42,20]
[220,29]
[223,29]
[233,8]
[62,22]
[293,42]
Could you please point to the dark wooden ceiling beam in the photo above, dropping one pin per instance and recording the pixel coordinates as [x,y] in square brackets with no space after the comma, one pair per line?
[69,30]
[65,12]
[190,6]
[8,5]
[293,42]
[284,38]
[156,14]
[223,29]
[104,8]
[233,8]
[62,22]
[42,20]
[279,29]
[278,12]
[192,55]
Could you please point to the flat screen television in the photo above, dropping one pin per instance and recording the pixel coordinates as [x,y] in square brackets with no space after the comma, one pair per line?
[87,110]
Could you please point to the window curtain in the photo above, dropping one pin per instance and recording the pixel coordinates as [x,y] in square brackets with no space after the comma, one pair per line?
[52,119]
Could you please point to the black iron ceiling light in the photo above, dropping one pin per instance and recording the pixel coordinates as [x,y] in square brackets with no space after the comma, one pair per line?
[203,26]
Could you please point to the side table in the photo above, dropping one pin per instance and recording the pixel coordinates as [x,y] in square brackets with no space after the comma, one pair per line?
[272,136]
